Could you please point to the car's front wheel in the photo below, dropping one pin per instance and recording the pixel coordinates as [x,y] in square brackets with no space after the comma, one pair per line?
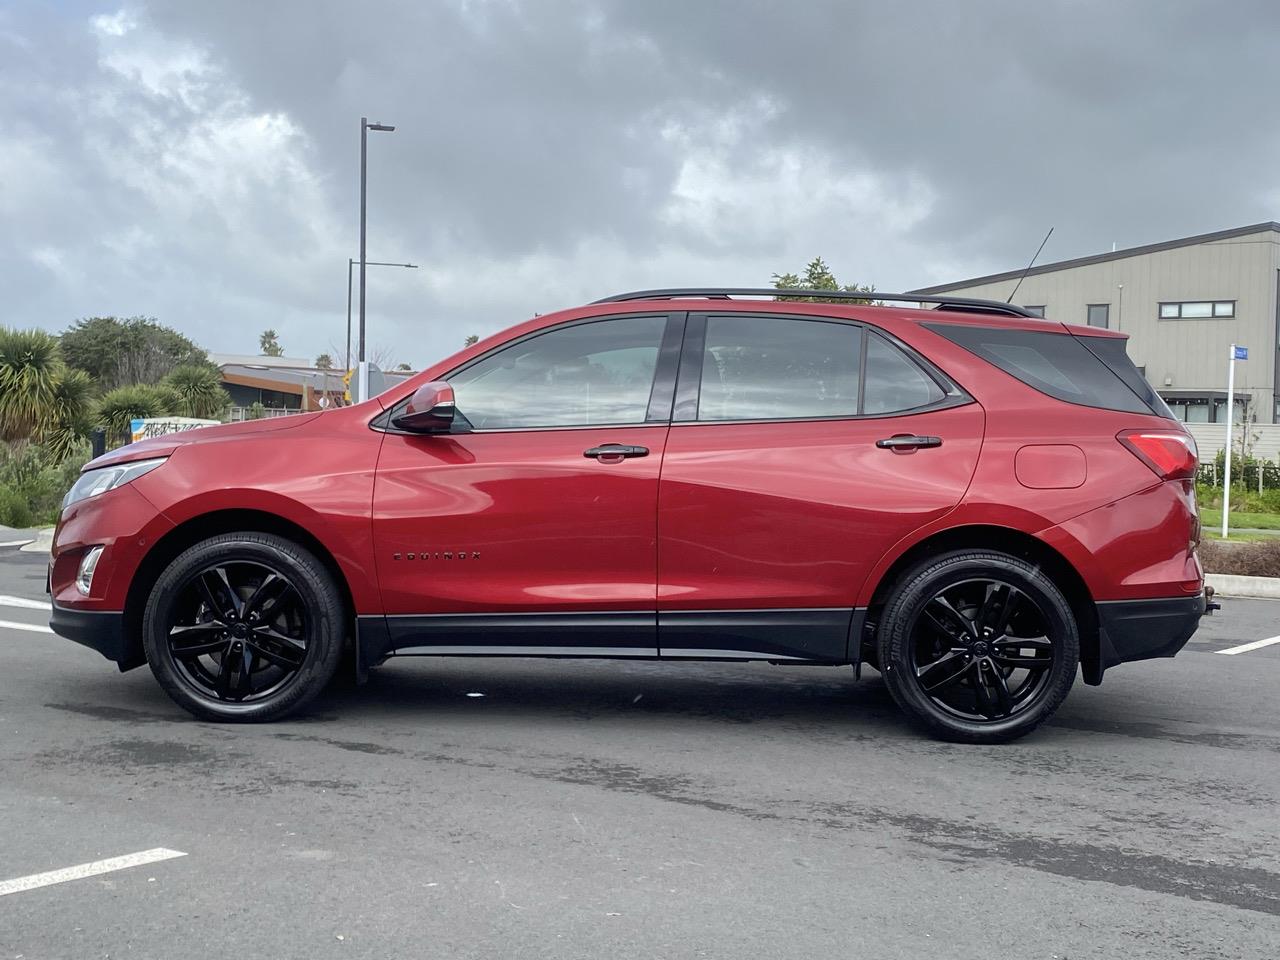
[978,646]
[244,627]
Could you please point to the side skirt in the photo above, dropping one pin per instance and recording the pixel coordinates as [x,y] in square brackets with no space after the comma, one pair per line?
[811,636]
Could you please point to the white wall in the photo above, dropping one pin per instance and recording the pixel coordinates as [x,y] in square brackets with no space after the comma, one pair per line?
[1212,437]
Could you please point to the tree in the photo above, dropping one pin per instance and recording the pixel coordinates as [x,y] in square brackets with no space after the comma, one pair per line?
[817,276]
[324,362]
[136,402]
[69,418]
[269,343]
[403,367]
[117,352]
[30,366]
[197,392]
[471,339]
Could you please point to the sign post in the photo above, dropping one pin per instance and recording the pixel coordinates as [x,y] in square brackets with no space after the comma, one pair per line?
[1237,353]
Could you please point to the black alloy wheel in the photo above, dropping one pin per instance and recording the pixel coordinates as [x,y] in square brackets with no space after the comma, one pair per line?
[978,646]
[980,649]
[239,631]
[244,626]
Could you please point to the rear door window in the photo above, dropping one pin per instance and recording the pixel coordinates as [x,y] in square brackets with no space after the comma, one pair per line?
[1057,364]
[775,368]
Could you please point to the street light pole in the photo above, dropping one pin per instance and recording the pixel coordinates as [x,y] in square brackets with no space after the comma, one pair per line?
[371,263]
[365,127]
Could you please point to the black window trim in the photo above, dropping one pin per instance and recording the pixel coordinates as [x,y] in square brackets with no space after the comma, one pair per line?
[689,385]
[661,390]
[1160,305]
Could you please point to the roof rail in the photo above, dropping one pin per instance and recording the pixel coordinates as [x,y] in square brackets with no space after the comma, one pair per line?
[949,304]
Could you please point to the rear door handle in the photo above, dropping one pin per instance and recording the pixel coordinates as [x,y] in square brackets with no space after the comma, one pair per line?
[615,452]
[908,441]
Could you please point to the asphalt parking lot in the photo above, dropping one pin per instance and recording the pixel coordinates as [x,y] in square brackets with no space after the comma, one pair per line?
[470,808]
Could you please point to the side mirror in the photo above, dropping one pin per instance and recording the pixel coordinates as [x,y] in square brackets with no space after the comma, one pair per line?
[429,410]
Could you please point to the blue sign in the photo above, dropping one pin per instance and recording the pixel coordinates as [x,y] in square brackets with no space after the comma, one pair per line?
[1241,353]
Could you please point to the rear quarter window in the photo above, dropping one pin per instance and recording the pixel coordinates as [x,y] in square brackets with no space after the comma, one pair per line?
[1056,364]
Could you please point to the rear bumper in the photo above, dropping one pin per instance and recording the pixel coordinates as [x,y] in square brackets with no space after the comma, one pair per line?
[1144,629]
[98,630]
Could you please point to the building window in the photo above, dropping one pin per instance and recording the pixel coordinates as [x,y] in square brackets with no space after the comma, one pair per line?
[1205,409]
[1198,310]
[1037,310]
[1099,315]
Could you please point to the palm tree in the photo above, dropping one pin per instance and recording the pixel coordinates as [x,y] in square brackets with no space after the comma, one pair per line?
[29,368]
[137,402]
[269,343]
[197,392]
[69,420]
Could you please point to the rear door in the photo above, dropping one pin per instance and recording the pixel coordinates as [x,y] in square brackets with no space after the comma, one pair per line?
[789,471]
[532,527]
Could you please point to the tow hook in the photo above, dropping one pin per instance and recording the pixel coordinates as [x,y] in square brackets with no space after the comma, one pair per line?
[1210,604]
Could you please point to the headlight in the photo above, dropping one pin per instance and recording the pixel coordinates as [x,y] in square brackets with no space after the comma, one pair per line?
[94,482]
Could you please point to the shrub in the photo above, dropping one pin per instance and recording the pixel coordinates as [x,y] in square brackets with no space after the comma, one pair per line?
[120,406]
[1242,559]
[33,482]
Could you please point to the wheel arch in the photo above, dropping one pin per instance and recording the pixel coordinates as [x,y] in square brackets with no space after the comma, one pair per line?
[1015,543]
[201,527]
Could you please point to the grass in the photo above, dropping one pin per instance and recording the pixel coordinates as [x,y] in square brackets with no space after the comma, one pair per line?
[1212,519]
[1216,536]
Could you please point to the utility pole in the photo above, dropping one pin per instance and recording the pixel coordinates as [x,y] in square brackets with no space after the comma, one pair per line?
[365,127]
[350,265]
[1237,353]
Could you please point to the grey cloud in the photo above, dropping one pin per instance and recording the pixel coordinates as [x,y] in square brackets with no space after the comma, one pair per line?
[549,152]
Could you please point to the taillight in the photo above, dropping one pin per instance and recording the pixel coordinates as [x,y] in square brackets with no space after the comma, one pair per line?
[1170,454]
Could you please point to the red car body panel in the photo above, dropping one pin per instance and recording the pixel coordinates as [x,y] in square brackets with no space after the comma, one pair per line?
[795,514]
[516,521]
[762,515]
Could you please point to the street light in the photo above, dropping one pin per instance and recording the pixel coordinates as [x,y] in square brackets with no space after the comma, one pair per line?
[371,263]
[365,127]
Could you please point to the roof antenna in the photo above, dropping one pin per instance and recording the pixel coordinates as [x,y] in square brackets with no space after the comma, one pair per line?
[1029,265]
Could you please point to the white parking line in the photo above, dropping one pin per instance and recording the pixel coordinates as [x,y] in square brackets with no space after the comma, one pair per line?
[1246,647]
[37,880]
[7,601]
[15,625]
[16,543]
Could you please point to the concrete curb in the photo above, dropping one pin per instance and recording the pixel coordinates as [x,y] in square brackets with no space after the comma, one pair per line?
[1233,585]
[43,542]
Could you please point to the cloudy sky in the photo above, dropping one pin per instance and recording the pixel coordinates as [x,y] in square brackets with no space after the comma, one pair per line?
[199,162]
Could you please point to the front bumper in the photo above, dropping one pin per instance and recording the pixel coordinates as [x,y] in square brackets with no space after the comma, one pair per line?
[1143,629]
[99,630]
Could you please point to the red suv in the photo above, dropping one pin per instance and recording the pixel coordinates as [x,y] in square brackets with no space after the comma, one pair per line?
[970,499]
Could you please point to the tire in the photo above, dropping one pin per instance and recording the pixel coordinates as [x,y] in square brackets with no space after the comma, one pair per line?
[244,627]
[978,646]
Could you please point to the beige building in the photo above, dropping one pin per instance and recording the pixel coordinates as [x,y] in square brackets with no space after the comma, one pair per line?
[1182,303]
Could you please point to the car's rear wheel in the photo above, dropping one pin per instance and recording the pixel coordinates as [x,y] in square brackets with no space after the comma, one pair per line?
[244,627]
[978,646]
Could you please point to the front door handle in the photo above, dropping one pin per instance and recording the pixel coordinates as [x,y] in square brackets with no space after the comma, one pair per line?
[615,452]
[908,441]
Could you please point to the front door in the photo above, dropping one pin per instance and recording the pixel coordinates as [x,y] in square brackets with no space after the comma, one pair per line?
[531,528]
[776,499]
